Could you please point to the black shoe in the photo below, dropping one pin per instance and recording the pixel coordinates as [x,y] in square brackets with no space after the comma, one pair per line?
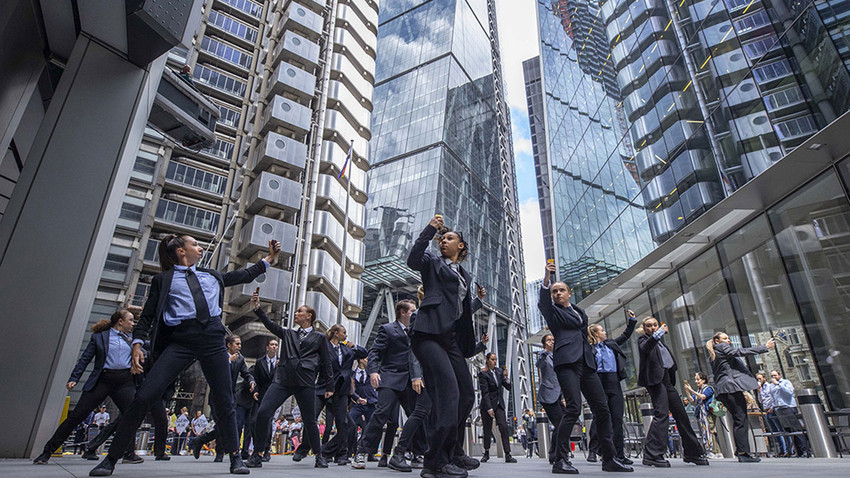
[196,449]
[451,470]
[254,462]
[90,454]
[701,460]
[466,462]
[299,454]
[625,461]
[371,457]
[591,457]
[383,462]
[162,458]
[104,468]
[237,466]
[398,463]
[660,463]
[748,459]
[563,467]
[509,458]
[267,457]
[486,457]
[41,459]
[219,458]
[616,466]
[132,459]
[321,462]
[342,460]
[418,462]
[359,462]
[427,473]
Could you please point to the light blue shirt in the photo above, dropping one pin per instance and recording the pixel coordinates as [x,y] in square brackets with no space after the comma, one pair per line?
[180,306]
[118,355]
[606,362]
[783,394]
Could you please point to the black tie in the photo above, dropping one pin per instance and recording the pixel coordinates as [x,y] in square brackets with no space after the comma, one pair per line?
[302,334]
[338,354]
[202,311]
[126,337]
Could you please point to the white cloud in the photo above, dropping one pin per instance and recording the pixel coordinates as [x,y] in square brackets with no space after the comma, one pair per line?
[532,239]
[518,41]
[522,145]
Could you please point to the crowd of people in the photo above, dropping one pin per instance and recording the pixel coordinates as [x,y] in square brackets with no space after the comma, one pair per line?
[417,362]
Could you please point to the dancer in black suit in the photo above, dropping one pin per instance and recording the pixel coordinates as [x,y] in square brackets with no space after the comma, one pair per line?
[658,374]
[389,372]
[109,347]
[575,367]
[609,366]
[237,368]
[442,338]
[263,372]
[491,381]
[304,358]
[549,392]
[182,316]
[364,397]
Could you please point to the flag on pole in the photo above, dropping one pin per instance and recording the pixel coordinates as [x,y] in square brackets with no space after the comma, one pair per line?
[345,164]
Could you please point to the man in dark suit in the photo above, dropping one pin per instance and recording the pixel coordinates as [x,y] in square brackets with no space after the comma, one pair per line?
[304,358]
[364,398]
[609,367]
[238,369]
[549,392]
[182,318]
[658,374]
[263,372]
[491,381]
[575,366]
[389,373]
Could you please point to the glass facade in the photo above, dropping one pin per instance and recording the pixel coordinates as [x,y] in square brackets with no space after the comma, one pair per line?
[782,275]
[435,145]
[644,135]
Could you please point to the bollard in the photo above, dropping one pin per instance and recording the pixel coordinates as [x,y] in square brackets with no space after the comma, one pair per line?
[646,416]
[467,438]
[817,428]
[142,439]
[543,435]
[725,437]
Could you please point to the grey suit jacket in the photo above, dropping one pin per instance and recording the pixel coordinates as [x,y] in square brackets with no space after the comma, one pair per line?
[549,391]
[730,372]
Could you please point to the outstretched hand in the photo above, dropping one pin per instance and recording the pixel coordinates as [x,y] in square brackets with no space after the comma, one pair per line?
[274,251]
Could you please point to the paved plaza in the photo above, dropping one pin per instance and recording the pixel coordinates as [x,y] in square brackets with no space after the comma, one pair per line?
[188,466]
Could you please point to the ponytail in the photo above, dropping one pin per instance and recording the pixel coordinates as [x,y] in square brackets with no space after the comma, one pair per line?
[105,324]
[710,345]
[168,251]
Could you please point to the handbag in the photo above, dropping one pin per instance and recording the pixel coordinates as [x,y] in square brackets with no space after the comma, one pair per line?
[717,408]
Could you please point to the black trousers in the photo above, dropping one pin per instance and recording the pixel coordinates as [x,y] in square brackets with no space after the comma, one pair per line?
[666,400]
[501,422]
[359,416]
[243,425]
[186,342]
[160,428]
[616,405]
[414,434]
[386,412]
[274,398]
[449,386]
[115,384]
[337,408]
[577,379]
[736,404]
[252,425]
[554,412]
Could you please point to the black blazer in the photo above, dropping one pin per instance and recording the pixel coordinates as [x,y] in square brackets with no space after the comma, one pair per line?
[242,390]
[570,332]
[341,378]
[301,361]
[438,313]
[363,389]
[262,376]
[651,369]
[97,349]
[730,372]
[614,345]
[491,390]
[389,355]
[151,319]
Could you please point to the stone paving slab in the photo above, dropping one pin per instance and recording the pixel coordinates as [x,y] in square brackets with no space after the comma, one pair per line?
[74,466]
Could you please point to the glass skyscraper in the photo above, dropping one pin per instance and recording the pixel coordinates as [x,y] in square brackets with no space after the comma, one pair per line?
[441,145]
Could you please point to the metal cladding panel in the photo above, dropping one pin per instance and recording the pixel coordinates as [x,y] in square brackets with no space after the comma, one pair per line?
[274,287]
[280,150]
[287,114]
[291,79]
[154,27]
[298,48]
[272,190]
[299,18]
[257,233]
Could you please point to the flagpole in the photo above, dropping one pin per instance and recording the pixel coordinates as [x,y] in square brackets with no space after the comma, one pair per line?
[339,305]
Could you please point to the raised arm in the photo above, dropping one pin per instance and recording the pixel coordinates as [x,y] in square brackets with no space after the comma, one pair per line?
[418,259]
[724,349]
[246,275]
[630,328]
[651,341]
[359,352]
[267,322]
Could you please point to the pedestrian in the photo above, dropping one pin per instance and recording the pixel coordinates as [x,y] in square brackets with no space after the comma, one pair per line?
[263,372]
[181,431]
[785,406]
[492,405]
[702,398]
